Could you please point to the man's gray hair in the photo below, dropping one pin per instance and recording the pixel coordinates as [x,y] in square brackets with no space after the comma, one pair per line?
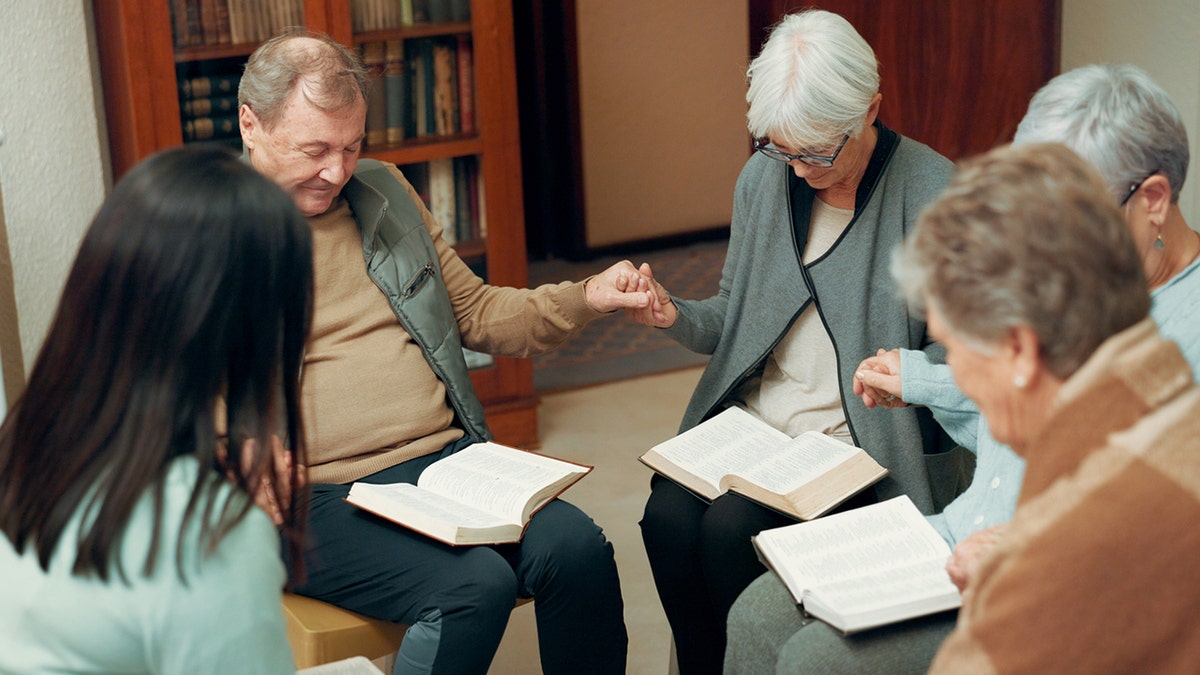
[329,75]
[1116,118]
[1026,236]
[812,82]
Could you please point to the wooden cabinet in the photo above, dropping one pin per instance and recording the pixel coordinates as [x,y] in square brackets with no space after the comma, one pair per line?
[957,76]
[146,64]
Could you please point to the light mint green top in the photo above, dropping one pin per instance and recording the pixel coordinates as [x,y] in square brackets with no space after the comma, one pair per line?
[227,619]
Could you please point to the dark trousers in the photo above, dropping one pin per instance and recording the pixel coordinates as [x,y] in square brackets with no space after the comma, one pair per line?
[457,600]
[701,558]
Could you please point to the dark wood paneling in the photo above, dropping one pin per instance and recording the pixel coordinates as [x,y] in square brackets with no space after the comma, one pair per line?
[956,74]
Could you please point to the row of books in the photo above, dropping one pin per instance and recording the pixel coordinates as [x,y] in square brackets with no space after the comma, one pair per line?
[208,107]
[420,88]
[367,15]
[219,22]
[454,193]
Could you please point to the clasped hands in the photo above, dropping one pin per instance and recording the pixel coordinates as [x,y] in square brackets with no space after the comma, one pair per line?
[877,380]
[633,289]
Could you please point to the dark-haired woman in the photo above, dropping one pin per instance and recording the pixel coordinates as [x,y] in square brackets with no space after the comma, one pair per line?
[131,539]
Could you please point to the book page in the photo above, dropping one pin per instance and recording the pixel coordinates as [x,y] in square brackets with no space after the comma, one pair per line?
[801,460]
[495,478]
[851,544]
[906,585]
[424,505]
[731,440]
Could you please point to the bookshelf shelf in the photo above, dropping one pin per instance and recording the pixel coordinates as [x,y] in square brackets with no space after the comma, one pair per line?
[210,52]
[144,69]
[413,32]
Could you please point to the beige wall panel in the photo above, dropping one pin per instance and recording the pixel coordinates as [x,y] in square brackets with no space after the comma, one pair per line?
[1163,38]
[662,115]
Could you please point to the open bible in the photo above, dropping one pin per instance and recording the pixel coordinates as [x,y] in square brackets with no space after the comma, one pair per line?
[734,451]
[483,494]
[865,567]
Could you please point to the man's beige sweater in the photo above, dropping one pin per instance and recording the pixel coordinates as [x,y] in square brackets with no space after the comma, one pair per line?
[370,398]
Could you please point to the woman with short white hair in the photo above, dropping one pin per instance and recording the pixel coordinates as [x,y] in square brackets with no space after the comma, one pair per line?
[804,294]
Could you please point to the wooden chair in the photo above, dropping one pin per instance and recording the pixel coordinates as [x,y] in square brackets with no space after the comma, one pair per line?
[320,632]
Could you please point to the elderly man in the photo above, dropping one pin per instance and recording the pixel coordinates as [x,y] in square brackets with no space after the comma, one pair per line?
[386,389]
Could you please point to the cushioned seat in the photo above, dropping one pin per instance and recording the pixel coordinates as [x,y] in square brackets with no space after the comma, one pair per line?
[320,632]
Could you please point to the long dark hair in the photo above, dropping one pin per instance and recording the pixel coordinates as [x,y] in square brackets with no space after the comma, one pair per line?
[192,285]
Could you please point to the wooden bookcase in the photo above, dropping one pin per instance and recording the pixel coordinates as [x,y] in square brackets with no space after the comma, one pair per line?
[142,68]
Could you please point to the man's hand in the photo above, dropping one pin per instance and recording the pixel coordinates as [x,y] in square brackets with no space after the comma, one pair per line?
[970,552]
[877,380]
[616,288]
[660,311]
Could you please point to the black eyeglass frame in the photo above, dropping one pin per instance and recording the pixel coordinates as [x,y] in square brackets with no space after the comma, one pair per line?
[1137,186]
[819,161]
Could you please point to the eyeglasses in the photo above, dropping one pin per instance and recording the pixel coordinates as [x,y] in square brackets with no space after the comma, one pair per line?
[1135,187]
[821,161]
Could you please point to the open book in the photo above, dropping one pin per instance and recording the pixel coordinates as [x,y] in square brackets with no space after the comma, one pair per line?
[734,451]
[865,567]
[483,494]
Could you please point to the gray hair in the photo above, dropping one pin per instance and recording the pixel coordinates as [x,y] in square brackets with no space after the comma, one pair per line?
[1026,236]
[329,75]
[812,82]
[1116,118]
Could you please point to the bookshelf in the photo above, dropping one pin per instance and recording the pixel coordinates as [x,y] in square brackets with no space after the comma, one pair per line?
[144,65]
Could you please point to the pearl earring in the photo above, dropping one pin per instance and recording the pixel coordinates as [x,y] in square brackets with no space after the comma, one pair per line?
[1158,243]
[1019,381]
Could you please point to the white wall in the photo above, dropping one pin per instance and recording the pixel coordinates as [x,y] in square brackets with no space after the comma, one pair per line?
[50,161]
[1163,38]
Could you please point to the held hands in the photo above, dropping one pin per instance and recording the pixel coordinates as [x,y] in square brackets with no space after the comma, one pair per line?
[608,291]
[970,552]
[623,286]
[659,311]
[877,380]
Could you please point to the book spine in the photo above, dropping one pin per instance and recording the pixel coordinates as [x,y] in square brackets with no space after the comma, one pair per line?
[421,11]
[210,128]
[445,90]
[224,30]
[209,85]
[466,85]
[179,23]
[209,106]
[441,196]
[395,87]
[373,54]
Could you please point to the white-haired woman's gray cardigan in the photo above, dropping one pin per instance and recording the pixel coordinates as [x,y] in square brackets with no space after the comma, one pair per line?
[763,290]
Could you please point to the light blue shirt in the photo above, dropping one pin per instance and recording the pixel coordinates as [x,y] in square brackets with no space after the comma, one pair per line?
[991,498]
[226,619]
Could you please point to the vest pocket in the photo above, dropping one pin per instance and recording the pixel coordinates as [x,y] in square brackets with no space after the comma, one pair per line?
[418,280]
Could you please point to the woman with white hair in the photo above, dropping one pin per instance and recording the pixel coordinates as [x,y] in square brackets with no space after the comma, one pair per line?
[804,293]
[1031,280]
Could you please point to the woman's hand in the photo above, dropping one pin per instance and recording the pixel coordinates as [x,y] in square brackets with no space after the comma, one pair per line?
[877,380]
[274,486]
[970,552]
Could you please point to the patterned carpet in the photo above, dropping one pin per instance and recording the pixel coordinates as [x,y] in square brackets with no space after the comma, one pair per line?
[616,348]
